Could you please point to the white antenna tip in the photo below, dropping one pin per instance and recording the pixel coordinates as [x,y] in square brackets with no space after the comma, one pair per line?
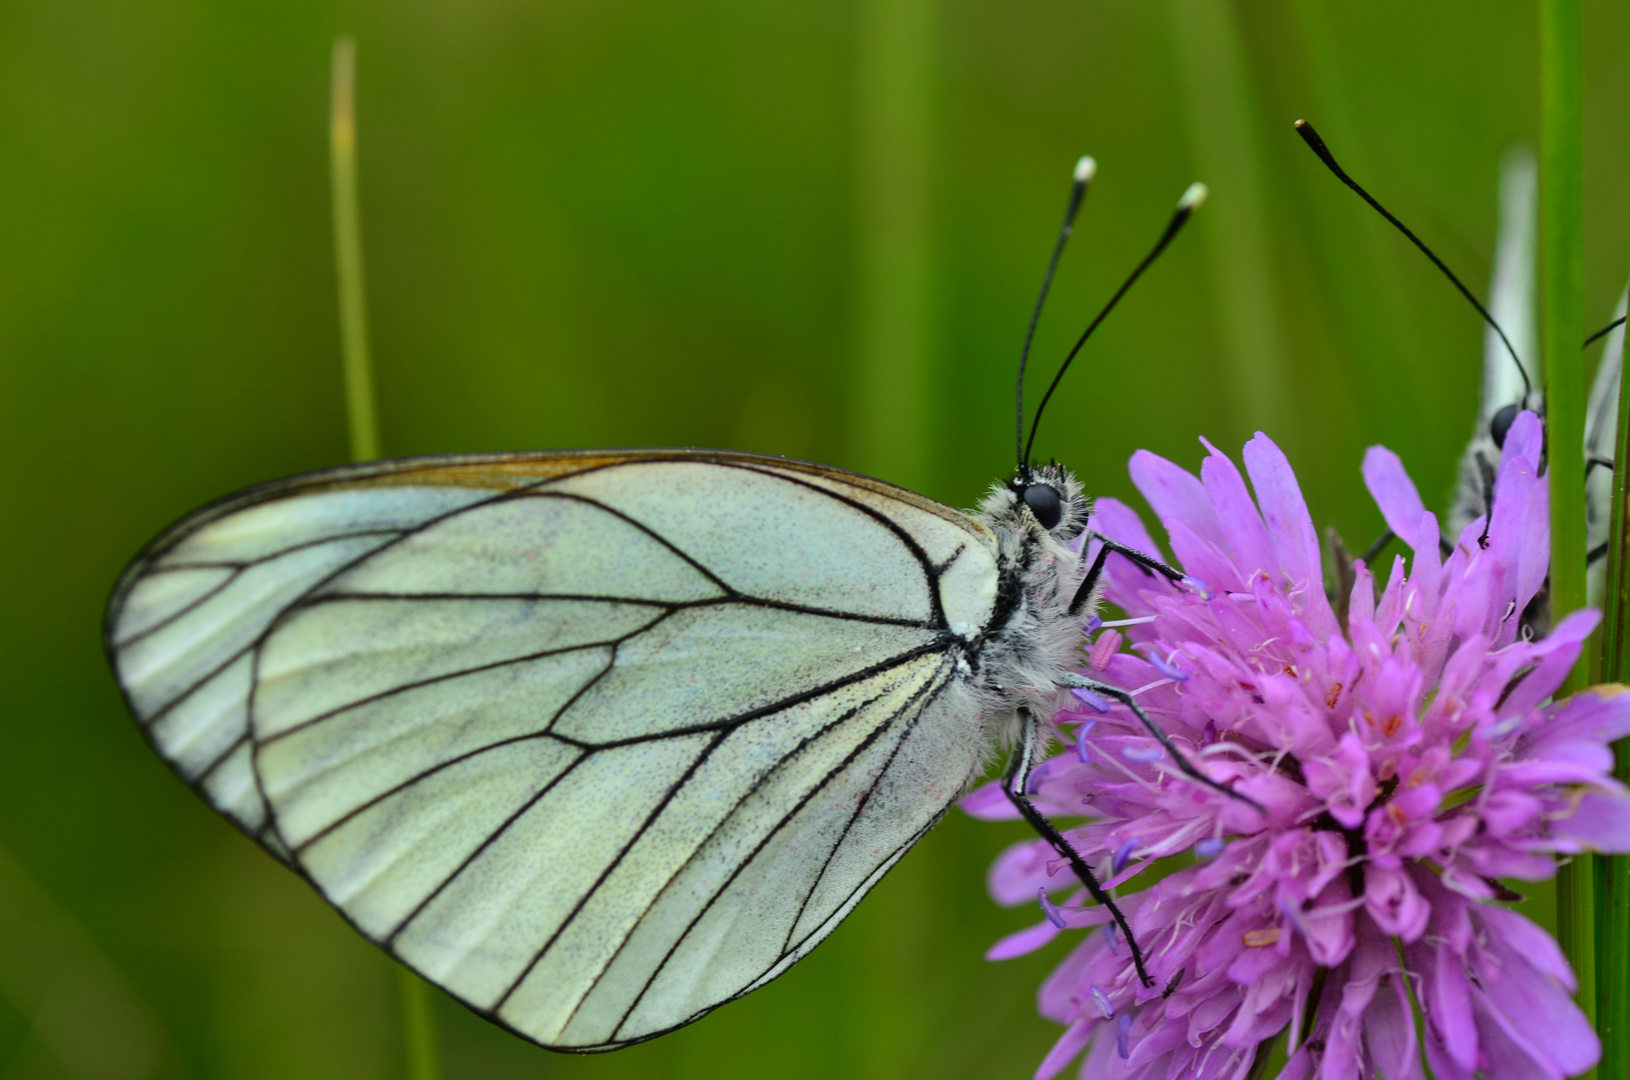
[1085,170]
[1193,197]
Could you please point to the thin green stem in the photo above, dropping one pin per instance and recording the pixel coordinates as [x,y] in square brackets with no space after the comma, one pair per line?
[1222,109]
[1417,1016]
[1613,949]
[1613,873]
[894,131]
[1562,277]
[1562,274]
[363,421]
[418,1026]
[1576,927]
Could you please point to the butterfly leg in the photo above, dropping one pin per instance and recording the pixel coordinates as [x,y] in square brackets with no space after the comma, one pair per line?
[1445,548]
[1016,783]
[1486,474]
[1380,545]
[1189,769]
[1148,563]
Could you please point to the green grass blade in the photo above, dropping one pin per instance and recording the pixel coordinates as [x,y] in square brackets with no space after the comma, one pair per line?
[894,118]
[418,1026]
[1613,874]
[363,421]
[1562,273]
[1222,110]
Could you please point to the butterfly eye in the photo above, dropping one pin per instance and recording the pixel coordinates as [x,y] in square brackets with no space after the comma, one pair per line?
[1044,502]
[1501,424]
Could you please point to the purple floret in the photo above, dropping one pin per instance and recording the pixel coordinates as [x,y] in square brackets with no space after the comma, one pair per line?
[1409,756]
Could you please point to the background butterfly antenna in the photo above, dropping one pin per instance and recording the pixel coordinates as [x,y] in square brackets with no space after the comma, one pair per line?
[1317,145]
[1604,331]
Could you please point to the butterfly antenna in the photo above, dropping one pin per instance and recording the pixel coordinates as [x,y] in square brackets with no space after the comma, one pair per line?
[1606,330]
[1085,170]
[1190,202]
[1316,144]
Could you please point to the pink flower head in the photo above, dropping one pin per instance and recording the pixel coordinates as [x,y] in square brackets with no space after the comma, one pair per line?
[1406,752]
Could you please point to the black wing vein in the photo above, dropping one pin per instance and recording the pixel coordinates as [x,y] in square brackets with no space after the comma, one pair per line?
[725,725]
[814,790]
[431,680]
[616,861]
[860,807]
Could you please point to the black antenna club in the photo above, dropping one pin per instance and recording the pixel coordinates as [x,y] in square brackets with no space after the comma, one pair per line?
[1192,198]
[1085,170]
[1316,144]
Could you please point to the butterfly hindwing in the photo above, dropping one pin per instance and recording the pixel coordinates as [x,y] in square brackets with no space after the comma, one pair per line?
[186,616]
[1601,445]
[595,742]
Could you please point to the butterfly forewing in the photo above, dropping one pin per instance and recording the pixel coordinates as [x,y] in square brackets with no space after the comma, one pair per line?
[596,742]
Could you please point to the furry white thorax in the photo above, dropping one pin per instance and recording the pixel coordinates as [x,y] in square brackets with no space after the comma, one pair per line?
[1035,637]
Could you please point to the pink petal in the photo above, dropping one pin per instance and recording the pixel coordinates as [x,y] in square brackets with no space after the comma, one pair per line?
[1343,781]
[1023,941]
[1361,602]
[1601,823]
[1201,558]
[1247,537]
[1121,523]
[1503,1056]
[1538,1017]
[1531,942]
[1064,1050]
[1394,903]
[1448,997]
[1525,440]
[1018,872]
[1564,643]
[1127,874]
[1389,1032]
[1600,714]
[1514,539]
[989,802]
[1534,557]
[1176,494]
[1299,1066]
[1426,571]
[1394,492]
[1290,527]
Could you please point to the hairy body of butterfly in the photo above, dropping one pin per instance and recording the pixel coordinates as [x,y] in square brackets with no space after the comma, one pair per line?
[599,741]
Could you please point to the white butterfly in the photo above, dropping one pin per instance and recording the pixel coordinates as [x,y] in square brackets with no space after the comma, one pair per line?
[1510,384]
[1511,380]
[598,741]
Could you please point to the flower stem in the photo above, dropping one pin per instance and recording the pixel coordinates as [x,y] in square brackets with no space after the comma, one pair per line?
[1216,79]
[1417,1017]
[894,121]
[1613,872]
[362,423]
[418,1026]
[1562,284]
[1563,272]
[362,420]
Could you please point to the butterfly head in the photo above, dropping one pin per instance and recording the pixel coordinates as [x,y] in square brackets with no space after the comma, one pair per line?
[1501,423]
[1043,499]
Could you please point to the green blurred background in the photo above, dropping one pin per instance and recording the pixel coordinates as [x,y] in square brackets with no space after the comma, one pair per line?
[805,228]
